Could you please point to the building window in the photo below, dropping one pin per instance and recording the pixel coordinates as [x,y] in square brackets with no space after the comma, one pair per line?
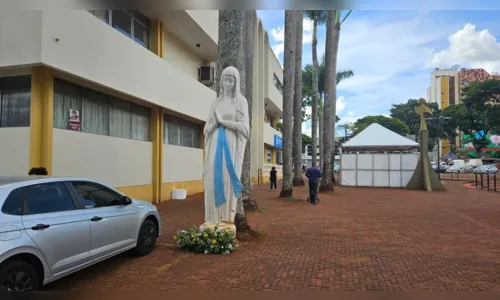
[100,113]
[279,156]
[180,132]
[131,23]
[277,83]
[15,100]
[269,155]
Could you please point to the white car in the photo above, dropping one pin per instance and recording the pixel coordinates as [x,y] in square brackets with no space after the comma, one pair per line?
[486,169]
[51,227]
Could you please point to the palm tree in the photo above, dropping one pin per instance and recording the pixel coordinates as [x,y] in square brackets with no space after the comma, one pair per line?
[232,45]
[318,17]
[249,204]
[331,49]
[298,178]
[288,85]
[307,93]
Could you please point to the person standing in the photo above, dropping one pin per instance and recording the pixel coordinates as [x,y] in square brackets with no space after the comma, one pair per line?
[273,177]
[313,174]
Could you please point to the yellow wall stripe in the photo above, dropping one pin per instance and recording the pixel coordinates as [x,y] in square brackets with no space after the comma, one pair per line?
[157,143]
[157,38]
[445,102]
[41,117]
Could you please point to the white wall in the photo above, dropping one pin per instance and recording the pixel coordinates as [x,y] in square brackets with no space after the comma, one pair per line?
[182,163]
[91,49]
[15,151]
[180,56]
[116,161]
[20,37]
[208,20]
[269,133]
[274,68]
[377,170]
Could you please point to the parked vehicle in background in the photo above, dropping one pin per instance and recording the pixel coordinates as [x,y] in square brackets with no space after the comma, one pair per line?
[51,227]
[486,169]
[473,163]
[442,167]
[456,166]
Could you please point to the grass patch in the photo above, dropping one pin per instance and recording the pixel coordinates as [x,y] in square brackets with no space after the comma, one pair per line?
[262,210]
[259,234]
[293,199]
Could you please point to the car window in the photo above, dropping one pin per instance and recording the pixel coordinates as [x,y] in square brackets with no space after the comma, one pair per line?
[47,198]
[13,203]
[96,195]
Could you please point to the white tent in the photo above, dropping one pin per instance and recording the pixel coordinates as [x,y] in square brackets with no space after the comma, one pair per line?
[378,138]
[369,159]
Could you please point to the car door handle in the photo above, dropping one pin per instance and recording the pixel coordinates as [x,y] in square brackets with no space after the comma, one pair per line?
[96,219]
[40,227]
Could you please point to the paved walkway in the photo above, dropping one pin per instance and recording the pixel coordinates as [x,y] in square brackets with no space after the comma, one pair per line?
[358,239]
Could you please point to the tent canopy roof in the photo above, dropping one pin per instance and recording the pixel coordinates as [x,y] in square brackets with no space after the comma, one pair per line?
[378,138]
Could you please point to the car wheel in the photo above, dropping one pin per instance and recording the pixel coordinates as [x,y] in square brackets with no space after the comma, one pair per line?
[146,240]
[18,276]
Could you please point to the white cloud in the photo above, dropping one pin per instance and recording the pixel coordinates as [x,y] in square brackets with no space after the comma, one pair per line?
[340,104]
[306,126]
[278,36]
[470,48]
[392,54]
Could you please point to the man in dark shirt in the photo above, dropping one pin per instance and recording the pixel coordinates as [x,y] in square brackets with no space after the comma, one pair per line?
[314,175]
[273,177]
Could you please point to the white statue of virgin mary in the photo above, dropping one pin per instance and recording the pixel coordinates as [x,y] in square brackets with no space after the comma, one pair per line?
[226,131]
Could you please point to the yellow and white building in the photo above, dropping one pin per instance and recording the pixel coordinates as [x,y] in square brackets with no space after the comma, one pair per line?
[134,79]
[445,91]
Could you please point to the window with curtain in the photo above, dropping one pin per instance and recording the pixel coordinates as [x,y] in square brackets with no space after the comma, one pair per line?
[15,101]
[121,119]
[140,122]
[100,113]
[180,132]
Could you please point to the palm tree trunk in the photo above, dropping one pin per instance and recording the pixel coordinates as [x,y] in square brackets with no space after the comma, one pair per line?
[249,204]
[288,85]
[232,53]
[315,75]
[298,178]
[321,117]
[332,45]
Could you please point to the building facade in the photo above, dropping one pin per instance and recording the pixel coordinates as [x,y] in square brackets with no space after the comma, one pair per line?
[445,90]
[118,96]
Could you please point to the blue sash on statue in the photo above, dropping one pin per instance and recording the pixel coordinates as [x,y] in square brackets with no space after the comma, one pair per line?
[223,147]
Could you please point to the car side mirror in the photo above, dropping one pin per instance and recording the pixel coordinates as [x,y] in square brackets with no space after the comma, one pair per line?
[126,200]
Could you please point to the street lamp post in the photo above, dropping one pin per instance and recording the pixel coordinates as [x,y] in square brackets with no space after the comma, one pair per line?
[438,121]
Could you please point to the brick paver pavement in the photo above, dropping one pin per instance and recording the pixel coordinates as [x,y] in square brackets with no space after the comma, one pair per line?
[358,239]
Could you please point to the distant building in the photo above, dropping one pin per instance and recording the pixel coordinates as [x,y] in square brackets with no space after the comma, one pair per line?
[445,90]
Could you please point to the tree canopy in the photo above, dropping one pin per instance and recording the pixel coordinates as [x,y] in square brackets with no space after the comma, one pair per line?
[479,110]
[392,124]
[307,88]
[406,113]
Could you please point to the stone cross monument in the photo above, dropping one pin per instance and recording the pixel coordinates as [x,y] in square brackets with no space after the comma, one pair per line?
[424,178]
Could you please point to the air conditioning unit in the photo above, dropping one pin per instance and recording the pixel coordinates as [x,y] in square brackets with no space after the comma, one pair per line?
[207,75]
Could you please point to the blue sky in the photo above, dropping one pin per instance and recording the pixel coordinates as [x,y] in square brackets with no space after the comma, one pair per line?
[393,53]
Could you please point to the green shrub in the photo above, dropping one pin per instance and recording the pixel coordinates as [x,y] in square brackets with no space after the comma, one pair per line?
[216,241]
